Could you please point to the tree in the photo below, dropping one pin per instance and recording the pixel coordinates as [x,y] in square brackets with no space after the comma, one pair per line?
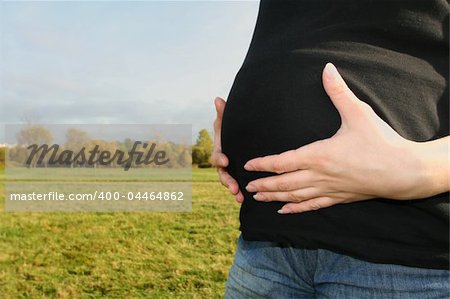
[34,134]
[201,151]
[75,140]
[184,158]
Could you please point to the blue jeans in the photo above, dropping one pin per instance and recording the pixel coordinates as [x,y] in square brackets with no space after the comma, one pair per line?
[265,270]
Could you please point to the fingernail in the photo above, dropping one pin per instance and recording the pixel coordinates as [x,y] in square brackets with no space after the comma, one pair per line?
[259,196]
[248,167]
[331,71]
[284,211]
[250,188]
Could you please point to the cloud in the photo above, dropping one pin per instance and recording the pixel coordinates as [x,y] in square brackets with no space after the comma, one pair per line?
[124,62]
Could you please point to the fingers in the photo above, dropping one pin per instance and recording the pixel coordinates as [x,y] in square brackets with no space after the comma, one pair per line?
[308,205]
[345,101]
[228,181]
[335,86]
[218,159]
[290,196]
[239,197]
[220,106]
[273,163]
[287,161]
[219,103]
[283,182]
[317,202]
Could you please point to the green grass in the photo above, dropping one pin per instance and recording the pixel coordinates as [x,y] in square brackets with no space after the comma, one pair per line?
[204,175]
[121,255]
[99,174]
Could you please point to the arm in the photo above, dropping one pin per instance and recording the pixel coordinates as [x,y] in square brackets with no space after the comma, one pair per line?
[435,161]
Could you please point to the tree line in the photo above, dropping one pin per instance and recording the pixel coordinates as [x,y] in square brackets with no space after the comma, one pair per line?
[79,141]
[199,154]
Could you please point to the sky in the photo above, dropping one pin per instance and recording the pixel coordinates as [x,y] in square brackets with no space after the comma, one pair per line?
[146,62]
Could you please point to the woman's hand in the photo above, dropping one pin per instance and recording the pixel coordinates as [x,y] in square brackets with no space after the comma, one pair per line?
[364,159]
[218,159]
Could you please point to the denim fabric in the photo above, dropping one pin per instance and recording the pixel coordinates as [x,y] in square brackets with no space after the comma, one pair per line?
[266,270]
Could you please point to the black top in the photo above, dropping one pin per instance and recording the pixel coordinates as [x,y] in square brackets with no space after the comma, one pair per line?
[394,56]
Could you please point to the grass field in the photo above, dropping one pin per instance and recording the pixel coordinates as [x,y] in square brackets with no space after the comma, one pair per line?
[121,255]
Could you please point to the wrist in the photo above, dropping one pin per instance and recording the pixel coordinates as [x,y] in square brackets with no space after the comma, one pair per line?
[432,167]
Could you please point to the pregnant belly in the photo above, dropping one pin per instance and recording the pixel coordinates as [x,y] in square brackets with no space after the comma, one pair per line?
[271,108]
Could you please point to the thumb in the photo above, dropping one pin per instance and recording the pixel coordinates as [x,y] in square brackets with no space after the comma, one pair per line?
[345,101]
[220,106]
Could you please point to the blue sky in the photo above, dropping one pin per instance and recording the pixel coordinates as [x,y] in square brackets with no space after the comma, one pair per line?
[120,62]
